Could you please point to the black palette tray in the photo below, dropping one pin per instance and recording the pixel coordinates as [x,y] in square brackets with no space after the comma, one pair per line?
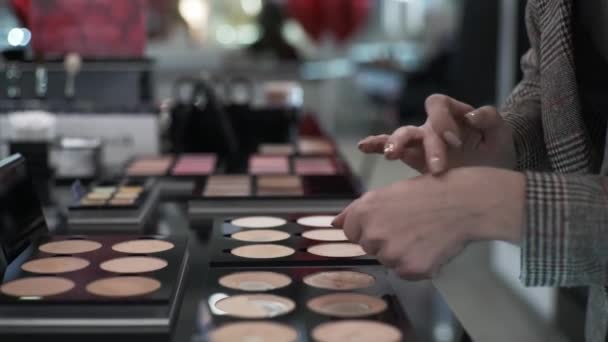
[302,318]
[169,276]
[222,243]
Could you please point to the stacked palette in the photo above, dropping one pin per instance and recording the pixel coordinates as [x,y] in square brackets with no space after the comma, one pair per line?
[296,278]
[285,241]
[304,166]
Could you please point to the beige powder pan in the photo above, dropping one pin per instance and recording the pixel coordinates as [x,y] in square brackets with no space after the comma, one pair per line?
[331,234]
[255,281]
[255,306]
[258,222]
[254,332]
[261,235]
[318,221]
[339,280]
[347,305]
[143,246]
[55,265]
[123,286]
[133,265]
[356,330]
[263,251]
[337,250]
[37,287]
[70,247]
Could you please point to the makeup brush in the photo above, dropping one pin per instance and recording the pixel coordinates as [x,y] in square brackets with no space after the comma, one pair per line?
[72,65]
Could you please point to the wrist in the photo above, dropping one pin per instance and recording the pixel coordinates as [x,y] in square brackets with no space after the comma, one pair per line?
[497,202]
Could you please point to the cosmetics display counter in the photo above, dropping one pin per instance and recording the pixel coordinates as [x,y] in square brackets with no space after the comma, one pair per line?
[152,286]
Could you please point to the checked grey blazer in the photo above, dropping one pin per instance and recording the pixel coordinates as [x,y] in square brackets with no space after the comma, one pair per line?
[566,235]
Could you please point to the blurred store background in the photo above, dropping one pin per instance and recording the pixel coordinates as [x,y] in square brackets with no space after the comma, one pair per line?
[113,71]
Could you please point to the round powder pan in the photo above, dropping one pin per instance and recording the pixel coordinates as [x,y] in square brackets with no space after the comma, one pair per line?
[55,265]
[134,264]
[257,222]
[318,221]
[68,247]
[37,287]
[255,281]
[254,331]
[364,330]
[337,250]
[261,235]
[255,306]
[143,246]
[339,280]
[330,234]
[347,305]
[262,251]
[122,287]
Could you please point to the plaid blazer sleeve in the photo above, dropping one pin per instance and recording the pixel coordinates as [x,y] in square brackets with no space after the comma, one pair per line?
[566,231]
[522,110]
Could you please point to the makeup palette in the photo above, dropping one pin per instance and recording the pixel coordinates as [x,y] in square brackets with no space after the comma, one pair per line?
[276,186]
[298,165]
[122,206]
[186,165]
[315,145]
[72,287]
[281,241]
[305,304]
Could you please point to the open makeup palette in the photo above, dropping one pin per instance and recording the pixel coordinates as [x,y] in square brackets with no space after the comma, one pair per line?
[289,240]
[115,205]
[304,304]
[186,165]
[75,288]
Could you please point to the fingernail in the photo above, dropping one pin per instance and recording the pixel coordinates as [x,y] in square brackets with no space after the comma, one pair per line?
[359,144]
[388,148]
[472,116]
[452,139]
[435,165]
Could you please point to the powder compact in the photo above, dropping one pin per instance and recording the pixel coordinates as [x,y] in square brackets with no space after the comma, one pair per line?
[123,205]
[304,304]
[265,240]
[72,288]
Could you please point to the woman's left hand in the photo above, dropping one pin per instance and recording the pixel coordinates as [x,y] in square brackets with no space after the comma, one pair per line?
[417,225]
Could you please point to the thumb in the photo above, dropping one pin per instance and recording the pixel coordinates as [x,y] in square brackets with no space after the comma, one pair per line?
[484,119]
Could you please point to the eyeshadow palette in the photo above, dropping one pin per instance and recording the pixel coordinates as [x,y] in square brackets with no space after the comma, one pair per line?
[297,165]
[276,186]
[288,240]
[93,282]
[186,165]
[120,206]
[303,304]
[125,194]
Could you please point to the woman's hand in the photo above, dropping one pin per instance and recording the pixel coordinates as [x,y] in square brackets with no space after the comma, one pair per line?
[454,135]
[415,226]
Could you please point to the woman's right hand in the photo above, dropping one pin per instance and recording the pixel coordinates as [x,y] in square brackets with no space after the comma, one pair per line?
[454,135]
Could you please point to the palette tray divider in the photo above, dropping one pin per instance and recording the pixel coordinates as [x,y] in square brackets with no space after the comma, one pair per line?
[221,245]
[302,318]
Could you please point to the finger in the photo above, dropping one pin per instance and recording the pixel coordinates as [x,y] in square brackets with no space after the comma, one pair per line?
[435,152]
[415,158]
[443,113]
[400,139]
[373,144]
[352,223]
[484,118]
[338,221]
[371,247]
